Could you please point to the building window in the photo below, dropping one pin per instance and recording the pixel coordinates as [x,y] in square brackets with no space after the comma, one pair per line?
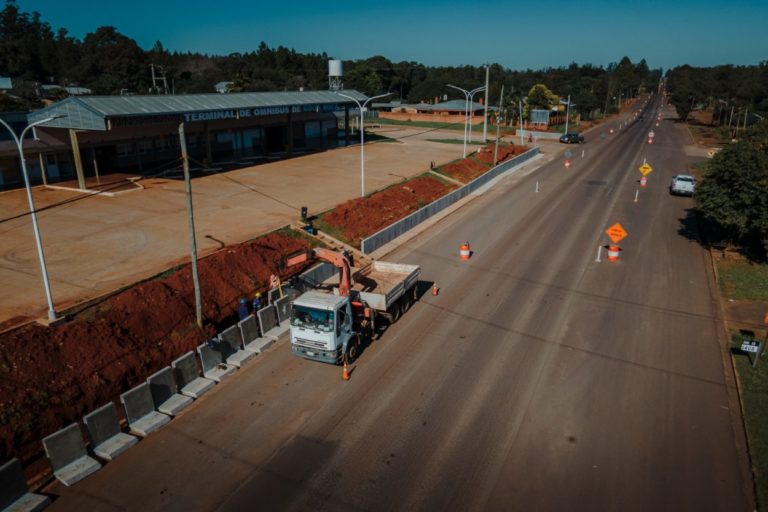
[144,146]
[123,149]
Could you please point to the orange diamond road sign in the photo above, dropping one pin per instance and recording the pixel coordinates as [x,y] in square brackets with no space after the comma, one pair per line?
[645,169]
[616,233]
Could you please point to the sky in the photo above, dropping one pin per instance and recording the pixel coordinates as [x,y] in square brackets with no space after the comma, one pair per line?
[515,34]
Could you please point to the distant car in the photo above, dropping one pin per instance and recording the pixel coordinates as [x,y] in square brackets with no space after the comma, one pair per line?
[682,185]
[572,138]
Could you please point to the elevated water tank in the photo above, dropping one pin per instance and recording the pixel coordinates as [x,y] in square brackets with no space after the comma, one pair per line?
[335,75]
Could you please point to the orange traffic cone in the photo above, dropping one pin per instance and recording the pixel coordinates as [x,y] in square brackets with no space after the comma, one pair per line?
[345,374]
[464,251]
[435,289]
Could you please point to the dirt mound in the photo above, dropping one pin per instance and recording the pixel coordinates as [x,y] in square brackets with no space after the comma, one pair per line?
[506,152]
[51,377]
[362,217]
[467,169]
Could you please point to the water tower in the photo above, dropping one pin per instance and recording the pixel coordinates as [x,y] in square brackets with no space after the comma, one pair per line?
[335,75]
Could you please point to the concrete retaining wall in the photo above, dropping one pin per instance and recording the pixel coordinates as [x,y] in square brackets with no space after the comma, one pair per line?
[373,242]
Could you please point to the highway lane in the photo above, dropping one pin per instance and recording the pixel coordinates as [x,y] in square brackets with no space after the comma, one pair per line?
[538,379]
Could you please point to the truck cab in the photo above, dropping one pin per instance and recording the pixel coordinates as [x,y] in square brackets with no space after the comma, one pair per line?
[321,327]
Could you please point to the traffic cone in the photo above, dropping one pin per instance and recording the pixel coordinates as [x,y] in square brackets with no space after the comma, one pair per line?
[435,289]
[464,251]
[643,182]
[345,373]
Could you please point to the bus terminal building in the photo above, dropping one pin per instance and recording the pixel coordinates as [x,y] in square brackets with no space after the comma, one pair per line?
[139,135]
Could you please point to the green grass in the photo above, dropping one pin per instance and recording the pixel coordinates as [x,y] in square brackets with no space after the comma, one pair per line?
[477,128]
[332,231]
[754,396]
[447,141]
[377,137]
[743,280]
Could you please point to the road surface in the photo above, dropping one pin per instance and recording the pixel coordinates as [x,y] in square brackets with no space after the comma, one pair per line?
[539,378]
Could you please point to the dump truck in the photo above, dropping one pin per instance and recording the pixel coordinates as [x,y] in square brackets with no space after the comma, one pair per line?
[331,323]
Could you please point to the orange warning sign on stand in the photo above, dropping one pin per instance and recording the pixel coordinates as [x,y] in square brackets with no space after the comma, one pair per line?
[616,233]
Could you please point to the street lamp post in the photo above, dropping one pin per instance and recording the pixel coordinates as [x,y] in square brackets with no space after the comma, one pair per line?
[468,98]
[362,131]
[567,113]
[19,146]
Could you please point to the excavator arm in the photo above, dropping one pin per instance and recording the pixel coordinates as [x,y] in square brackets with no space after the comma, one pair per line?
[337,259]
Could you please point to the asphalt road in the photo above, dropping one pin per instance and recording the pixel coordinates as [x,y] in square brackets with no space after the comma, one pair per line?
[539,379]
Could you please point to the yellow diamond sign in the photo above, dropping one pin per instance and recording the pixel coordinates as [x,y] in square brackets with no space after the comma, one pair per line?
[645,169]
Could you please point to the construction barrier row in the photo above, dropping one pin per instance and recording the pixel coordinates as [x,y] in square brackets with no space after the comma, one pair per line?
[386,235]
[150,405]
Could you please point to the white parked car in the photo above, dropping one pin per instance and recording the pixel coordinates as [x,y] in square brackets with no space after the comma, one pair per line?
[682,185]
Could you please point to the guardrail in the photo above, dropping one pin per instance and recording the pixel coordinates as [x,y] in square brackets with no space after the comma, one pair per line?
[383,236]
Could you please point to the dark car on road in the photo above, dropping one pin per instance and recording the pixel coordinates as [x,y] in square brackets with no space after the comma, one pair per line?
[572,138]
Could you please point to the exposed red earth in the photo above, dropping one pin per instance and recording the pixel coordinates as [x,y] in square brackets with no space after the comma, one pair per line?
[467,169]
[51,377]
[362,217]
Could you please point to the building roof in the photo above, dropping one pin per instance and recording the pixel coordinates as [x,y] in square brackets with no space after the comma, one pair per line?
[446,106]
[94,112]
[5,82]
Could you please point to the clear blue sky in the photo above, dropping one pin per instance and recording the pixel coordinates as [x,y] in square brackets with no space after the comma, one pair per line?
[517,35]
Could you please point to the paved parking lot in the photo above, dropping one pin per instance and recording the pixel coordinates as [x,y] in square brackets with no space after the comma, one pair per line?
[96,244]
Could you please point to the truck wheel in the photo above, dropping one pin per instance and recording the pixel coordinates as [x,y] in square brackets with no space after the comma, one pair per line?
[407,302]
[396,310]
[352,350]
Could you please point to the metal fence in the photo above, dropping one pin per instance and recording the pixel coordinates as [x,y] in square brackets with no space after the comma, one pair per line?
[373,242]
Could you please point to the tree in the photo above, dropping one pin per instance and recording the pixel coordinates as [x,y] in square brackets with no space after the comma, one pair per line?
[732,193]
[111,62]
[540,97]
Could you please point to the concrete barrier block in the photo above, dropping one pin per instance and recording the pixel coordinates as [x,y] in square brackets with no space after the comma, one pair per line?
[66,452]
[213,366]
[162,386]
[269,322]
[249,329]
[258,345]
[235,356]
[190,382]
[233,336]
[240,357]
[140,411]
[283,309]
[14,493]
[107,440]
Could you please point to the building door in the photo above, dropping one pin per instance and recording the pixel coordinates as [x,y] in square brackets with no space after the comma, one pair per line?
[275,139]
[52,166]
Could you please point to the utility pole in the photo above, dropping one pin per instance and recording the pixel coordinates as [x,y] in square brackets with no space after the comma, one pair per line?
[485,117]
[191,218]
[520,103]
[567,113]
[498,125]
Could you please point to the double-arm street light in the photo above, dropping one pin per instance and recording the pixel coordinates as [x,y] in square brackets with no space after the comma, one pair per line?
[19,141]
[468,98]
[362,131]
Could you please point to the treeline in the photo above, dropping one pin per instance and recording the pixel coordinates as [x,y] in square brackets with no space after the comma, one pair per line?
[721,89]
[108,62]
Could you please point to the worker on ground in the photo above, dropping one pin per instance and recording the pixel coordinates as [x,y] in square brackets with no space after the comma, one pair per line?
[257,302]
[242,309]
